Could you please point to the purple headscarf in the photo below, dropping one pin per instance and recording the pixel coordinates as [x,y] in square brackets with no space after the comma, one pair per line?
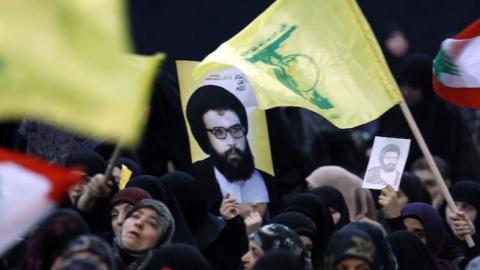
[433,225]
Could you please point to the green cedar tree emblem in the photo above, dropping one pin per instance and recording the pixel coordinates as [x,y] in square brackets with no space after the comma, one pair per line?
[444,64]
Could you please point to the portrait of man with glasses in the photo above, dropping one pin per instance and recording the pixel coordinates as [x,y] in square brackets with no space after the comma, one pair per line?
[219,123]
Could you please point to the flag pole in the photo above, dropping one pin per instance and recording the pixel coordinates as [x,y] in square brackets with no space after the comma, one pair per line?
[111,162]
[433,167]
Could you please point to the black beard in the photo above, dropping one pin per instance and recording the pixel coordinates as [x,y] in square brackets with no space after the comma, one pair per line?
[241,170]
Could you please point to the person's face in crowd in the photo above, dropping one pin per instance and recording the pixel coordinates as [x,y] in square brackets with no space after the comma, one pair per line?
[60,261]
[140,231]
[390,160]
[254,253]
[463,207]
[397,44]
[413,95]
[335,215]
[75,191]
[414,226]
[428,182]
[247,208]
[308,244]
[402,199]
[118,214]
[352,264]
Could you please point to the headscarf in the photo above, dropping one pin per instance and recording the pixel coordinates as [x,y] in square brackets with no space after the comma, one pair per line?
[316,210]
[204,226]
[384,257]
[434,227]
[90,161]
[277,236]
[179,257]
[349,243]
[474,264]
[159,191]
[166,224]
[359,201]
[79,264]
[432,224]
[130,195]
[279,260]
[468,191]
[411,186]
[334,200]
[410,252]
[92,244]
[303,226]
[138,260]
[51,237]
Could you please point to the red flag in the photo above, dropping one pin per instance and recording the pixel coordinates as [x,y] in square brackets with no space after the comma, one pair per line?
[29,189]
[456,68]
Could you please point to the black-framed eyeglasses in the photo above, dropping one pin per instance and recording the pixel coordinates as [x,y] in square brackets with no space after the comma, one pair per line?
[237,132]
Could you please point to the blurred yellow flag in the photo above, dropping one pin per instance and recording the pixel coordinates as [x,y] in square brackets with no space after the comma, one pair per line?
[319,55]
[66,63]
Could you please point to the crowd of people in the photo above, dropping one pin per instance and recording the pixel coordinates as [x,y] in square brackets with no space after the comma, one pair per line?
[313,215]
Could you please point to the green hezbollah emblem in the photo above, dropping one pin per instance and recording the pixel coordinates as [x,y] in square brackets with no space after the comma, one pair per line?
[298,72]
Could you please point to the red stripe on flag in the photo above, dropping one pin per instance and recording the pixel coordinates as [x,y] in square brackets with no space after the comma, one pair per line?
[465,97]
[473,30]
[61,179]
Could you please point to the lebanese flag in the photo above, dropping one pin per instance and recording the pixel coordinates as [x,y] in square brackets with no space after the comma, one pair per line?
[29,189]
[456,68]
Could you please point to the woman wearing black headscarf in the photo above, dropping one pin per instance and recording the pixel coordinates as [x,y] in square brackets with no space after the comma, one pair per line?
[159,191]
[317,211]
[148,226]
[305,228]
[336,204]
[51,237]
[211,234]
[410,252]
[179,257]
[466,195]
[92,197]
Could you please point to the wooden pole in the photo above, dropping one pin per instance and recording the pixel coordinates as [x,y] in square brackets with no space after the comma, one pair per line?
[111,162]
[433,167]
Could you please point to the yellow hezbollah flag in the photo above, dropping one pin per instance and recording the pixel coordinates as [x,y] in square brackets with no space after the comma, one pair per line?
[65,62]
[319,55]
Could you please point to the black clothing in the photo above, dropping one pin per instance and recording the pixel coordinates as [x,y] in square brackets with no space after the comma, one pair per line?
[222,242]
[179,257]
[335,200]
[410,252]
[203,171]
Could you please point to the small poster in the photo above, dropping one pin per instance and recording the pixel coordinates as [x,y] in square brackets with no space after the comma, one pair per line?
[386,163]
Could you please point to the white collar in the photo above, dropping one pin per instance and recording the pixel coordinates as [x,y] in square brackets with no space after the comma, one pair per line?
[251,190]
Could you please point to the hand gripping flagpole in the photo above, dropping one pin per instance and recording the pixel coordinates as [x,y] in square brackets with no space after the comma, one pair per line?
[111,162]
[433,167]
